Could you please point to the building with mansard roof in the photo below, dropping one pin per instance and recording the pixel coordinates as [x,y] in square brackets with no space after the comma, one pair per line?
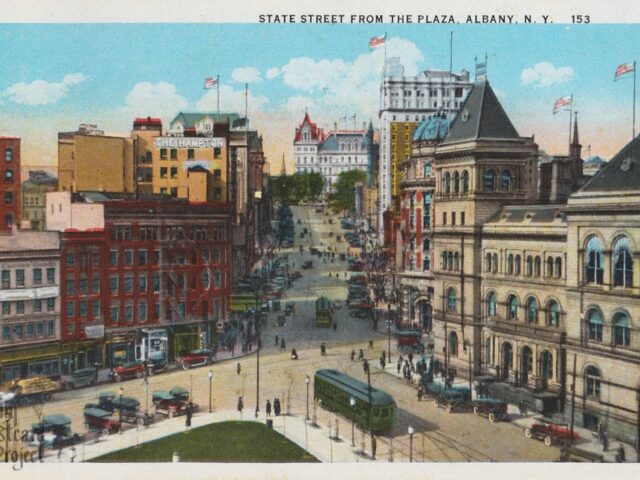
[534,273]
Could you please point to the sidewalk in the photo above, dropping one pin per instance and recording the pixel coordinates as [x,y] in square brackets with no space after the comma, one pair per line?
[314,439]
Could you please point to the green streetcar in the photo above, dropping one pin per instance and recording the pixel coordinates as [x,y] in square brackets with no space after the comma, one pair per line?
[324,317]
[334,390]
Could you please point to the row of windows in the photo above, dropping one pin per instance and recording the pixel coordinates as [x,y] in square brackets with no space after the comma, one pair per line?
[180,279]
[533,265]
[37,306]
[450,261]
[620,327]
[29,330]
[459,183]
[621,261]
[19,277]
[171,232]
[173,153]
[178,258]
[531,309]
[454,218]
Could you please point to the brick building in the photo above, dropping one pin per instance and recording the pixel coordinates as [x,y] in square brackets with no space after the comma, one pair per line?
[10,181]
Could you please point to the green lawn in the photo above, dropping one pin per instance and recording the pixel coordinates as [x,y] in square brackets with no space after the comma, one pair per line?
[219,442]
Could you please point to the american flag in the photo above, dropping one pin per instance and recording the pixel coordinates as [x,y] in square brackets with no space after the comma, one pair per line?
[622,69]
[562,103]
[377,41]
[210,82]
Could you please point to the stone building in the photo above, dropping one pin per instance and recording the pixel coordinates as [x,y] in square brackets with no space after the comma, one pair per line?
[34,197]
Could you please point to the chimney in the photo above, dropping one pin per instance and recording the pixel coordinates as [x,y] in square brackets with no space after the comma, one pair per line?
[335,126]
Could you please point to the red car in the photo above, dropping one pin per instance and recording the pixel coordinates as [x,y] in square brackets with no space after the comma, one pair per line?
[194,358]
[550,431]
[128,370]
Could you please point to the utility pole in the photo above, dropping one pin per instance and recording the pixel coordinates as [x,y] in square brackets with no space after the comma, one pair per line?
[573,395]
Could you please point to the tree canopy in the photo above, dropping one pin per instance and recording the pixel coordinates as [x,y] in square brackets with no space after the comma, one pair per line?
[296,188]
[344,197]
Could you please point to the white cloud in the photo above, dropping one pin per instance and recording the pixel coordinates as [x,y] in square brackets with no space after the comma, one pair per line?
[246,75]
[273,72]
[544,74]
[231,101]
[41,92]
[154,99]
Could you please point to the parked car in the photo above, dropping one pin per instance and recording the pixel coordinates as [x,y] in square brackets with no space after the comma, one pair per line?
[201,356]
[281,321]
[492,408]
[128,370]
[157,362]
[55,431]
[126,408]
[171,403]
[550,431]
[83,377]
[288,309]
[100,420]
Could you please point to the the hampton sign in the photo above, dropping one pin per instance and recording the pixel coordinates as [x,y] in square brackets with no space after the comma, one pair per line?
[189,142]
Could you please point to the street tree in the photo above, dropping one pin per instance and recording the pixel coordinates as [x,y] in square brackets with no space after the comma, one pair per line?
[344,197]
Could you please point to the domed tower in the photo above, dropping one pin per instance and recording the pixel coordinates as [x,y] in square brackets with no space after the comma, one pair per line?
[482,164]
[415,227]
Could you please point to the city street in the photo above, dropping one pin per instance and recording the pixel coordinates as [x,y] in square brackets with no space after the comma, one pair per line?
[438,436]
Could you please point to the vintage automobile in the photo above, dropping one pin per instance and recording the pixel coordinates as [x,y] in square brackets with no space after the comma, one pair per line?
[26,391]
[157,362]
[410,341]
[201,356]
[54,431]
[450,399]
[126,408]
[288,309]
[493,408]
[100,420]
[550,431]
[83,377]
[281,321]
[128,370]
[167,404]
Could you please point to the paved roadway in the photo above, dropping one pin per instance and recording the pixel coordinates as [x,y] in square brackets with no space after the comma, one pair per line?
[439,436]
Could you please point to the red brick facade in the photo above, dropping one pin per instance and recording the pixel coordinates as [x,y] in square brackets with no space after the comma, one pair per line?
[10,181]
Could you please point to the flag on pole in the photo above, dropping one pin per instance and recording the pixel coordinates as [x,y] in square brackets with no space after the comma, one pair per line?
[210,82]
[377,41]
[561,103]
[622,69]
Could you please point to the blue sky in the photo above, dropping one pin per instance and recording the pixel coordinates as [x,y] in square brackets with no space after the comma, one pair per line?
[54,77]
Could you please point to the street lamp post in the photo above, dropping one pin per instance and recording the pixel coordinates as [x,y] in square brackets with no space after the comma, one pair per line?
[352,402]
[120,409]
[389,322]
[411,431]
[210,375]
[307,380]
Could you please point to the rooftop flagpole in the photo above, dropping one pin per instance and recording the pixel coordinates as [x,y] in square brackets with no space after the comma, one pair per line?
[218,97]
[634,100]
[570,118]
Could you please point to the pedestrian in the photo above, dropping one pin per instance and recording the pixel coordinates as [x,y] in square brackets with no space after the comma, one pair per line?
[238,368]
[365,366]
[399,365]
[268,408]
[41,447]
[410,357]
[72,455]
[240,405]
[420,393]
[276,406]
[621,455]
[353,355]
[605,442]
[335,326]
[59,454]
[282,345]
[189,414]
[374,445]
[370,343]
[277,340]
[361,355]
[599,431]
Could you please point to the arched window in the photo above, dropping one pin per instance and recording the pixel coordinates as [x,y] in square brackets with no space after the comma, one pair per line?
[594,321]
[453,344]
[621,329]
[517,265]
[491,304]
[465,181]
[510,264]
[8,155]
[549,272]
[444,261]
[8,176]
[592,381]
[489,180]
[447,183]
[622,263]
[553,314]
[538,265]
[512,307]
[450,255]
[532,310]
[452,300]
[594,260]
[505,180]
[488,263]
[529,266]
[558,267]
[456,261]
[456,182]
[494,262]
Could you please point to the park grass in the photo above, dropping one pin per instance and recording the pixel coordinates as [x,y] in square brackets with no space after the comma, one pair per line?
[226,442]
